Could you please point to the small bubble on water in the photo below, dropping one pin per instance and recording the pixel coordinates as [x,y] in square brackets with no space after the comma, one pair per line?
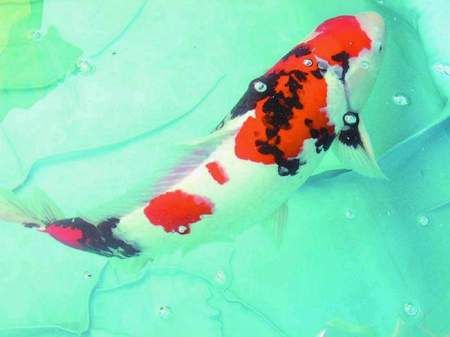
[220,277]
[365,65]
[349,214]
[400,100]
[85,67]
[443,69]
[423,220]
[410,309]
[164,312]
[87,275]
[380,2]
[182,229]
[36,35]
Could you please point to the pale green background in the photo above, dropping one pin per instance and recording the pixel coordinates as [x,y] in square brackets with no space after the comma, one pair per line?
[95,95]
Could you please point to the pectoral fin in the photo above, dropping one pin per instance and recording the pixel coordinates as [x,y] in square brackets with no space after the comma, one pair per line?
[276,224]
[354,149]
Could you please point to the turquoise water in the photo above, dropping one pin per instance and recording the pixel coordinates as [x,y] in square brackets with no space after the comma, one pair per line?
[95,94]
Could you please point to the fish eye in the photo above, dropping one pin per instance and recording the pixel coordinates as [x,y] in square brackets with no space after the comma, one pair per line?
[308,62]
[260,86]
[350,118]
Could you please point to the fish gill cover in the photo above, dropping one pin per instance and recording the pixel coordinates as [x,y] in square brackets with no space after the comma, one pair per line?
[96,92]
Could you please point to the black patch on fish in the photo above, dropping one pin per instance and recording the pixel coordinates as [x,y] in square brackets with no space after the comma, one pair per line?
[279,108]
[343,58]
[317,73]
[286,167]
[252,96]
[350,135]
[99,239]
[299,51]
[323,137]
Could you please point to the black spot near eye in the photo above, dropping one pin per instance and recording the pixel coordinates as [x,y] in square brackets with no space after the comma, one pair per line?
[257,90]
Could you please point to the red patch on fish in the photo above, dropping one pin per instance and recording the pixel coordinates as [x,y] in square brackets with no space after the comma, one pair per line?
[177,208]
[337,34]
[289,140]
[217,172]
[68,235]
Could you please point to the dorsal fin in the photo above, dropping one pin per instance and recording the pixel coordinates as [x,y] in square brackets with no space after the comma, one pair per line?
[142,192]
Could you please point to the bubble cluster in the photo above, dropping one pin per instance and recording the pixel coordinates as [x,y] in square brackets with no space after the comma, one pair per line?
[220,277]
[443,69]
[349,214]
[85,67]
[164,312]
[423,220]
[400,100]
[36,35]
[410,309]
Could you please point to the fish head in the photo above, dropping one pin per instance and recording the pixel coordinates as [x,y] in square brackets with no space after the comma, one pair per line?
[352,46]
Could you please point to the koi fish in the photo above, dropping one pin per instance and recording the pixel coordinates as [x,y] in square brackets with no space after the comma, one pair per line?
[246,169]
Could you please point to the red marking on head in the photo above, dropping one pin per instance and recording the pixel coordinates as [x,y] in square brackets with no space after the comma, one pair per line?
[177,208]
[217,172]
[342,33]
[67,235]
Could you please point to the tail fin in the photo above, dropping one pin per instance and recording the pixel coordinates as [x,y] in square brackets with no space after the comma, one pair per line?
[32,209]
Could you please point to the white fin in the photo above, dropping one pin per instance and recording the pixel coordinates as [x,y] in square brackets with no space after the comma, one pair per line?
[322,333]
[119,206]
[213,138]
[217,136]
[277,223]
[34,207]
[357,155]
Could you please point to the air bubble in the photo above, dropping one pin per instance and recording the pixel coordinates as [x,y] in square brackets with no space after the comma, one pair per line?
[423,220]
[36,35]
[85,67]
[400,100]
[164,312]
[349,214]
[365,65]
[443,69]
[220,277]
[87,275]
[182,229]
[350,118]
[308,62]
[410,309]
[260,86]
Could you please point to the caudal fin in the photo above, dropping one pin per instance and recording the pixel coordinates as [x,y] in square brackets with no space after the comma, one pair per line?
[32,209]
